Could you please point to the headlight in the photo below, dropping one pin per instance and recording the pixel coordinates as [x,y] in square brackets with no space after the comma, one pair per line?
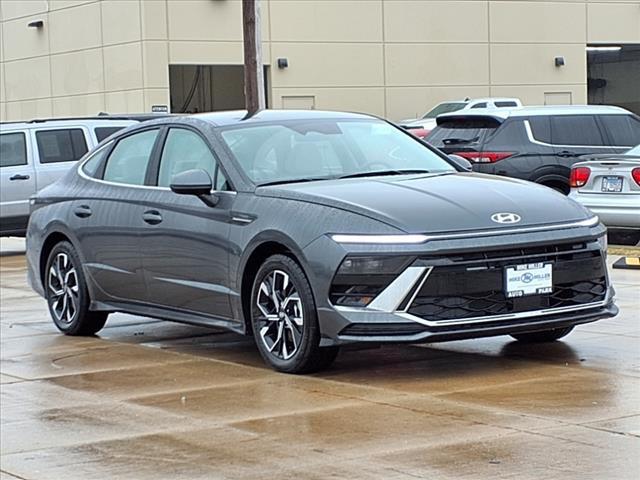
[381,239]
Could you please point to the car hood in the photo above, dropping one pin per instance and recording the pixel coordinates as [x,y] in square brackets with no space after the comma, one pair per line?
[435,203]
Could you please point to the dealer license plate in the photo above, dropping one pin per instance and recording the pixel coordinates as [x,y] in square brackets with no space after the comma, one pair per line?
[612,184]
[528,279]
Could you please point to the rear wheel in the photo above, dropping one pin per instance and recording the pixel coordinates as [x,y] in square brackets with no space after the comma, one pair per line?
[67,295]
[543,336]
[284,318]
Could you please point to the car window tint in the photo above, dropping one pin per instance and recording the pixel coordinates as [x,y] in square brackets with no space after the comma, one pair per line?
[129,159]
[104,132]
[575,130]
[65,145]
[444,108]
[13,149]
[480,105]
[91,166]
[506,104]
[541,129]
[623,130]
[185,150]
[462,132]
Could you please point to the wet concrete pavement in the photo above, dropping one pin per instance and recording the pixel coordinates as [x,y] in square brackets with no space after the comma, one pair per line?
[153,400]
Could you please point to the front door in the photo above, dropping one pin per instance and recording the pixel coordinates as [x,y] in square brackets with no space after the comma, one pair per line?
[185,242]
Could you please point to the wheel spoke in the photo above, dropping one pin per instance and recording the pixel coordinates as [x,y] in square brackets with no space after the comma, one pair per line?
[278,310]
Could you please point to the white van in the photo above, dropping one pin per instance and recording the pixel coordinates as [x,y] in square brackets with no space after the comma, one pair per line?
[35,154]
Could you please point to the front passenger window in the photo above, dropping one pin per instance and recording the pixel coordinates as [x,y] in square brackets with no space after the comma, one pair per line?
[185,150]
[129,159]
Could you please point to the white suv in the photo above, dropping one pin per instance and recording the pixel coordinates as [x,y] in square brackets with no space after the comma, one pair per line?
[35,154]
[428,120]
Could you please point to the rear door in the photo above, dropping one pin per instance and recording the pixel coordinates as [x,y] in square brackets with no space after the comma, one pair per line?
[108,220]
[56,151]
[17,180]
[186,248]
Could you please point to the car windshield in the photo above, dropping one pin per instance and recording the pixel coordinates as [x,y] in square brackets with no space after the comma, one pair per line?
[446,107]
[305,150]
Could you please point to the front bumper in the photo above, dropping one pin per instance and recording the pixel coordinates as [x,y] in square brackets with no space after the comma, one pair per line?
[421,333]
[389,318]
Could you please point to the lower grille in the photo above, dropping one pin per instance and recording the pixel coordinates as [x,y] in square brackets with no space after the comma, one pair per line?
[494,302]
[382,329]
[466,288]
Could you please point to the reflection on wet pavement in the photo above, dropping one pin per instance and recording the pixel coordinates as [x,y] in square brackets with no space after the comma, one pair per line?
[148,399]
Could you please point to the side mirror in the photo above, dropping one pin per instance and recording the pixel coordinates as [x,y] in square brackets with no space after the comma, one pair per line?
[194,182]
[462,162]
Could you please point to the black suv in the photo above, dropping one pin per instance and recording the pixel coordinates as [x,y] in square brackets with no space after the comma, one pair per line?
[535,143]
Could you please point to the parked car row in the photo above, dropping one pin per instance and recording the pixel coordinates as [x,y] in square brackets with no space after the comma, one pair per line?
[35,154]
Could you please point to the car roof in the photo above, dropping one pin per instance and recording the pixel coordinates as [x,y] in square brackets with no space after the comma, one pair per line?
[240,117]
[502,114]
[69,122]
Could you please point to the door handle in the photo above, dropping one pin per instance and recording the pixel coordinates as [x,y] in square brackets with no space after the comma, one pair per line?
[566,154]
[83,211]
[152,217]
[19,176]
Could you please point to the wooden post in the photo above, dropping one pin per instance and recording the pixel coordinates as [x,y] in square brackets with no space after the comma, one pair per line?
[253,70]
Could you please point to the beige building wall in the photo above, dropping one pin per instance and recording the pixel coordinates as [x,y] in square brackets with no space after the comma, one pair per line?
[394,58]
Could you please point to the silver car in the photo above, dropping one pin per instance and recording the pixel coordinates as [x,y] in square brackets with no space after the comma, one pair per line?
[37,153]
[609,185]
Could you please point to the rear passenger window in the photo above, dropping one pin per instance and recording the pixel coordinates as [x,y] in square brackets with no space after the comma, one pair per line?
[129,158]
[13,149]
[623,130]
[65,145]
[579,130]
[480,105]
[506,104]
[104,132]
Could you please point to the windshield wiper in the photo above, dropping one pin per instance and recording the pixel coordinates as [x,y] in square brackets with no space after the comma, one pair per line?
[384,172]
[294,180]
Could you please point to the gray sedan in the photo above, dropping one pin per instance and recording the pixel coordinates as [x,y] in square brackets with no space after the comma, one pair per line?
[609,186]
[310,230]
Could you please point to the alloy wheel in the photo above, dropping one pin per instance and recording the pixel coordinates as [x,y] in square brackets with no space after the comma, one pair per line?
[281,316]
[63,288]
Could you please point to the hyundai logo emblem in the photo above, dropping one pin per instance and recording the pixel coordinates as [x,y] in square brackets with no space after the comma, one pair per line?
[506,217]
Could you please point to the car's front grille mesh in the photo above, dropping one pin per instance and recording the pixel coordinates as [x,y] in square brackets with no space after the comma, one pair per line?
[467,286]
[494,302]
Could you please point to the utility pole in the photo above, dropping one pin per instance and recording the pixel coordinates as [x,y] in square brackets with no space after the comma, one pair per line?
[253,71]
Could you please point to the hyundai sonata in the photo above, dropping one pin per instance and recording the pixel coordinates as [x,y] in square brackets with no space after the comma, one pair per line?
[310,230]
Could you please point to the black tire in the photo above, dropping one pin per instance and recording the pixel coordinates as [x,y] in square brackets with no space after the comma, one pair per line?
[543,336]
[308,356]
[75,318]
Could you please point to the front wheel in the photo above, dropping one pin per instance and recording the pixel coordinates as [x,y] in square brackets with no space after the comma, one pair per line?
[67,295]
[543,336]
[284,318]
